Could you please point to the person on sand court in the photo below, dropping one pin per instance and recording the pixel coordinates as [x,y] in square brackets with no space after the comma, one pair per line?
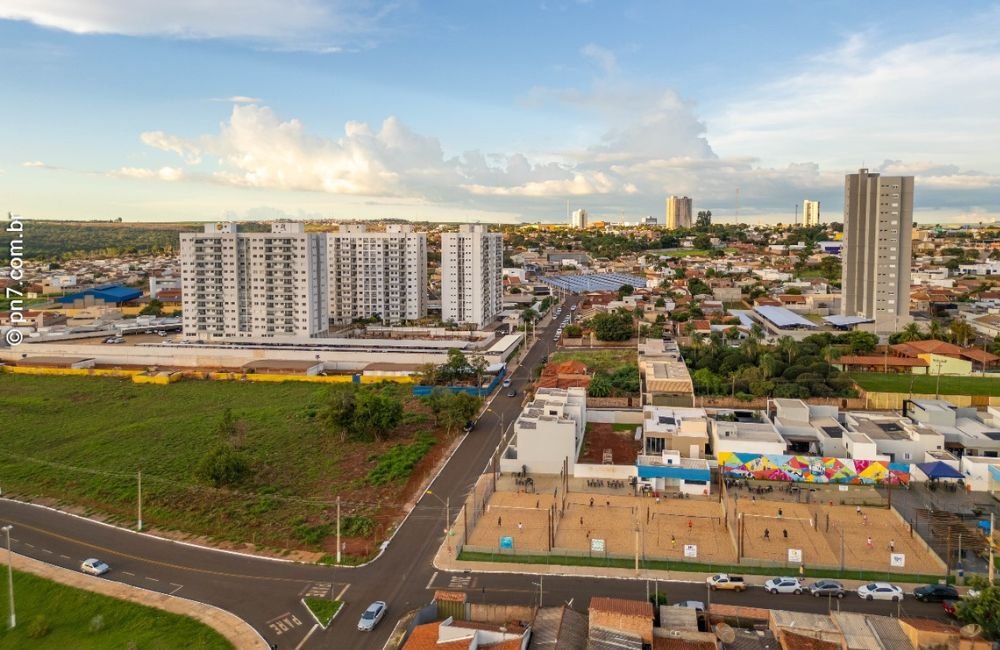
[767,534]
[673,542]
[870,542]
[499,521]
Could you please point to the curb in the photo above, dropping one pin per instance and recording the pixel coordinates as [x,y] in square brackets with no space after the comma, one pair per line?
[332,618]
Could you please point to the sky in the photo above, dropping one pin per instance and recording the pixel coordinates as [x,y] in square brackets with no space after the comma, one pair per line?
[449,110]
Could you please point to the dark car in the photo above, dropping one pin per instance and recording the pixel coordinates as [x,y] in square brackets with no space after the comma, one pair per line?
[512,392]
[469,426]
[827,588]
[935,593]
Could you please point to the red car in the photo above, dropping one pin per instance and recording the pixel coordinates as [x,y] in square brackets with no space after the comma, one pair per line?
[949,607]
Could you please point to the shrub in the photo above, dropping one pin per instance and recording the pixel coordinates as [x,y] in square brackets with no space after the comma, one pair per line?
[397,463]
[356,526]
[38,627]
[96,624]
[224,465]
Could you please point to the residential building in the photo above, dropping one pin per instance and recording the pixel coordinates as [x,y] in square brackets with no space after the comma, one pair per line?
[678,212]
[579,219]
[666,378]
[548,432]
[810,213]
[878,222]
[649,220]
[471,275]
[254,285]
[381,274]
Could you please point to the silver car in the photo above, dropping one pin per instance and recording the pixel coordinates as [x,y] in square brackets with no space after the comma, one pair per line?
[372,616]
[94,567]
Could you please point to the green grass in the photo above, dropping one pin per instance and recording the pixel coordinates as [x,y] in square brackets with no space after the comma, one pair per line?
[81,440]
[324,610]
[680,252]
[672,565]
[397,463]
[83,620]
[600,360]
[927,385]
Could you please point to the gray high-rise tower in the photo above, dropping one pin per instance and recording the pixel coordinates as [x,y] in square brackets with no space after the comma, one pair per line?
[878,225]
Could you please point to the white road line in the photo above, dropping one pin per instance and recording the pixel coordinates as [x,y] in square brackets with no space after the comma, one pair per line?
[343,591]
[45,550]
[65,557]
[431,581]
[128,573]
[29,545]
[179,587]
[153,579]
[306,637]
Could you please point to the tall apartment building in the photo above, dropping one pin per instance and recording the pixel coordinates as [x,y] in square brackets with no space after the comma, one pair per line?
[678,212]
[579,219]
[377,273]
[254,285]
[471,275]
[810,213]
[878,221]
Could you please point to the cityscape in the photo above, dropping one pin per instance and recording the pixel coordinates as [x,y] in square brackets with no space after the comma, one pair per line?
[600,363]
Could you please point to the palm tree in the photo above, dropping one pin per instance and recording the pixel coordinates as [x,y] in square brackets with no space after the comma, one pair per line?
[911,333]
[935,330]
[787,346]
[961,332]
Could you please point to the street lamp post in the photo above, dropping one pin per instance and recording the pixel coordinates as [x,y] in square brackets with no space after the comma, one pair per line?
[10,575]
[937,387]
[447,509]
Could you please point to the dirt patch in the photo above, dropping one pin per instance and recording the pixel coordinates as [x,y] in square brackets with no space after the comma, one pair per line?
[602,436]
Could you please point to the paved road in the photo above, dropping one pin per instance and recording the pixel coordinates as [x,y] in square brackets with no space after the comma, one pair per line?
[267,593]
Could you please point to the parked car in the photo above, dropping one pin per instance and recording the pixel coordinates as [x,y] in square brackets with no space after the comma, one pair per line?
[512,392]
[949,607]
[935,593]
[783,586]
[726,581]
[827,588]
[573,308]
[469,426]
[94,567]
[880,591]
[506,383]
[372,616]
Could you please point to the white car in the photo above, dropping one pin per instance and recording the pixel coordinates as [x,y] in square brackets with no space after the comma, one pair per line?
[506,383]
[94,567]
[783,586]
[880,591]
[372,616]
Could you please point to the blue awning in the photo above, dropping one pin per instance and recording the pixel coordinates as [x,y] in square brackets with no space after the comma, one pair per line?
[939,469]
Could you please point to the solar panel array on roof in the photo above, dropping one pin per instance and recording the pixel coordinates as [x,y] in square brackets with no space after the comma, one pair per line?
[846,321]
[834,432]
[992,435]
[783,318]
[594,282]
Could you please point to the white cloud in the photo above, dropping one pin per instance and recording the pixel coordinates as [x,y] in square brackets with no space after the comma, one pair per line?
[314,25]
[602,56]
[238,99]
[164,142]
[163,173]
[36,163]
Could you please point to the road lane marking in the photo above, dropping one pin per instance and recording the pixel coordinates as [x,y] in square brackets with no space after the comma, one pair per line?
[317,590]
[306,637]
[153,579]
[343,591]
[460,582]
[431,581]
[45,550]
[169,565]
[178,588]
[129,573]
[65,557]
[284,623]
[29,545]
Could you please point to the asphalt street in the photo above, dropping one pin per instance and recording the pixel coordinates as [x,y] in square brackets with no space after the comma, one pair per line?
[267,593]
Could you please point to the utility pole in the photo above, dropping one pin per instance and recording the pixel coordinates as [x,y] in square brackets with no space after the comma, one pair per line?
[338,530]
[140,500]
[991,549]
[10,576]
[637,550]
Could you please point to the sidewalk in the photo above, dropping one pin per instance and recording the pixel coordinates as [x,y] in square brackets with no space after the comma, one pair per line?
[233,628]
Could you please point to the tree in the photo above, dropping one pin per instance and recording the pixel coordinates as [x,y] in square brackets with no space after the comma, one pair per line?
[377,412]
[224,465]
[600,386]
[154,308]
[436,401]
[340,410]
[625,290]
[983,610]
[910,333]
[703,242]
[961,332]
[573,331]
[707,382]
[861,342]
[459,408]
[529,315]
[704,219]
[615,326]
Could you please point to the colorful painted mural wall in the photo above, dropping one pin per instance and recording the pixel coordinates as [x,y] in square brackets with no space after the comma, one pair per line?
[813,469]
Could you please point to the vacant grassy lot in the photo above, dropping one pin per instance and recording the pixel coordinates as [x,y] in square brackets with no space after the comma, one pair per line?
[600,360]
[927,385]
[51,615]
[81,440]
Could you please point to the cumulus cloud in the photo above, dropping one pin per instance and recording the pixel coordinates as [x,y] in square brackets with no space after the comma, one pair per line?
[164,142]
[38,164]
[602,56]
[141,173]
[300,24]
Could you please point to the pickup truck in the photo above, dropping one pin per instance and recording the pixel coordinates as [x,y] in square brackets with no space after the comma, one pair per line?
[726,581]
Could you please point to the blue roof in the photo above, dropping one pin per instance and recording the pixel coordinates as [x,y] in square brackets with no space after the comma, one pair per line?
[783,318]
[745,320]
[114,293]
[939,469]
[581,283]
[847,321]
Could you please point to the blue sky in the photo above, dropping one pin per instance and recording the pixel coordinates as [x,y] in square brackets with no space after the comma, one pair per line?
[493,111]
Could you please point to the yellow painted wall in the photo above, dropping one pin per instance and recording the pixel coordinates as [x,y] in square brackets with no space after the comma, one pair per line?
[894,401]
[162,378]
[949,365]
[70,372]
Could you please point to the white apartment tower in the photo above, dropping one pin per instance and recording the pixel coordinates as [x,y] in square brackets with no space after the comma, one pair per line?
[380,274]
[471,275]
[678,212]
[810,213]
[579,219]
[878,222]
[254,285]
